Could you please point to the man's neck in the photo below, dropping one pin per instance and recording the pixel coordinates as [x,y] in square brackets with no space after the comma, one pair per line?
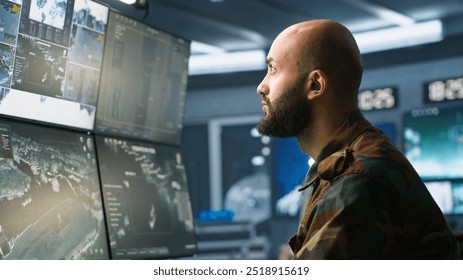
[318,134]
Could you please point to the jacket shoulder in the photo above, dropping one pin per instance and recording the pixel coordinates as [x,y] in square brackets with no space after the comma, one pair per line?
[372,154]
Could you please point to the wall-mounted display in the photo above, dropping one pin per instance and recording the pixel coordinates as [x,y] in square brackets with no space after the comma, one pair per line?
[290,167]
[443,90]
[51,61]
[50,200]
[389,129]
[53,57]
[378,99]
[143,84]
[448,195]
[245,159]
[146,199]
[433,142]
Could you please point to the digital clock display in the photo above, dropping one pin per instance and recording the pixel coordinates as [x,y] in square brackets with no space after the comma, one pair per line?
[444,90]
[377,99]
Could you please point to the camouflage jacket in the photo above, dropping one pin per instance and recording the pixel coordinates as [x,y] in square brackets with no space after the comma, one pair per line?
[367,202]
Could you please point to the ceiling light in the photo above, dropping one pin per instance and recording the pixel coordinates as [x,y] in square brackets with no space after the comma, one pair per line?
[207,59]
[128,2]
[382,12]
[203,48]
[139,4]
[227,62]
[399,37]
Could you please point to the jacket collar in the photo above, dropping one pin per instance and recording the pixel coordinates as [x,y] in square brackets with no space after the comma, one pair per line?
[349,130]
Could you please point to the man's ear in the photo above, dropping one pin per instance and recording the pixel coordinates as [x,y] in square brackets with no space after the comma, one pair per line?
[317,84]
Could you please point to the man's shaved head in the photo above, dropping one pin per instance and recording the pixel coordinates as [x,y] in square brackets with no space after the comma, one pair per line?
[328,46]
[313,75]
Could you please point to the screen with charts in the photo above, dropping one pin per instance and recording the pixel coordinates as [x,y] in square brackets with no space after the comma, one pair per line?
[448,195]
[50,196]
[143,83]
[146,199]
[51,55]
[433,142]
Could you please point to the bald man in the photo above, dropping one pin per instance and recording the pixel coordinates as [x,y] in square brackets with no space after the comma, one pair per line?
[365,200]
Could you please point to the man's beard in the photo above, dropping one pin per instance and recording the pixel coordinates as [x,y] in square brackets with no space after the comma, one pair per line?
[288,115]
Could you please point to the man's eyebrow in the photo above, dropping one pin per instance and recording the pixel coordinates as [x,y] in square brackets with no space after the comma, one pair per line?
[269,60]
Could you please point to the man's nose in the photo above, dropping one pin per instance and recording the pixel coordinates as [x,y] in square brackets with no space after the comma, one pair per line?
[262,88]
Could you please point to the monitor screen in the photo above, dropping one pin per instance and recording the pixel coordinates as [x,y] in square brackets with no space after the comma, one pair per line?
[146,199]
[290,167]
[143,84]
[389,129]
[51,54]
[433,142]
[50,200]
[448,195]
[246,185]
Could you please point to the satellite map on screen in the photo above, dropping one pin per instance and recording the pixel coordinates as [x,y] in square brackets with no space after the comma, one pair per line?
[49,194]
[51,53]
[146,198]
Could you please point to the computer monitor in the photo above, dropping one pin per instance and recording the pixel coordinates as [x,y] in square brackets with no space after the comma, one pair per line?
[448,195]
[52,53]
[143,85]
[389,129]
[433,142]
[290,168]
[146,198]
[50,196]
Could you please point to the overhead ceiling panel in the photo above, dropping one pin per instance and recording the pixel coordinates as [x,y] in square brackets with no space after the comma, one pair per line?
[425,9]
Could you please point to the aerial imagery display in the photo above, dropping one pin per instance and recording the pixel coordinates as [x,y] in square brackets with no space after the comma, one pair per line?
[50,12]
[9,23]
[146,199]
[10,12]
[6,64]
[51,57]
[50,196]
